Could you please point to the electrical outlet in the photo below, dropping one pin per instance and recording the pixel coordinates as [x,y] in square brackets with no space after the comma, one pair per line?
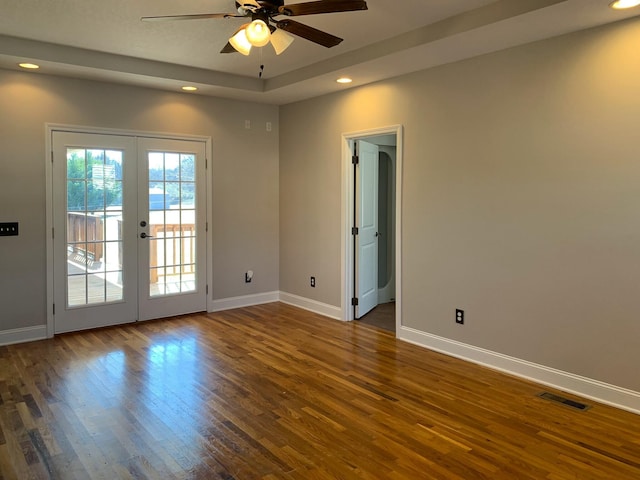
[313,282]
[248,276]
[459,316]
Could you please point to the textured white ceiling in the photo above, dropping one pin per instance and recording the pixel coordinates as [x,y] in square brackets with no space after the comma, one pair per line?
[391,38]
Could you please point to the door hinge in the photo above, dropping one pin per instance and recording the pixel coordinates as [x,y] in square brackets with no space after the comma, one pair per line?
[354,231]
[51,156]
[54,308]
[53,233]
[206,227]
[354,301]
[206,163]
[355,159]
[206,289]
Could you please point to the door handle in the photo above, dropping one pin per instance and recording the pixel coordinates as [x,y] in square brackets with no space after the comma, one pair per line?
[144,235]
[378,234]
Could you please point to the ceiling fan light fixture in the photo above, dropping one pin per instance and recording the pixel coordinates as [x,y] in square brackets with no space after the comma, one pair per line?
[257,33]
[264,25]
[280,40]
[240,42]
[622,4]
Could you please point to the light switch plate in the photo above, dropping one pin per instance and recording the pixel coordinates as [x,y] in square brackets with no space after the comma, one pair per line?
[8,229]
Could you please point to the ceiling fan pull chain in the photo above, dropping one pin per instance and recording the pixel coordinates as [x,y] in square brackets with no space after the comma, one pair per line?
[261,65]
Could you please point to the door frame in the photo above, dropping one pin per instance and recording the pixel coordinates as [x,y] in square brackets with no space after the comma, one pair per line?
[347,253]
[56,127]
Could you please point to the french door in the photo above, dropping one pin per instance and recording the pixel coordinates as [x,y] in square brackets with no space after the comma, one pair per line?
[129,216]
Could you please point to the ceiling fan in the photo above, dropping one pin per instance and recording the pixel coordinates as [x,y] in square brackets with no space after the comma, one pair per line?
[264,28]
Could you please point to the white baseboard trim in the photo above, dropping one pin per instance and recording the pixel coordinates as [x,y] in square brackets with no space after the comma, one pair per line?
[311,305]
[21,335]
[268,297]
[242,301]
[582,386]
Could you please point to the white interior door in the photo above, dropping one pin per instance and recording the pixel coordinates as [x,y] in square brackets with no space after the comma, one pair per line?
[107,269]
[366,214]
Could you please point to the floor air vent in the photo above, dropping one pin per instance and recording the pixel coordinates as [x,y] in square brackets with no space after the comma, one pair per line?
[564,401]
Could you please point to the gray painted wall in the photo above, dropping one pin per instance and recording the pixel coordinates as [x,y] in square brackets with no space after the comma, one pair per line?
[521,199]
[520,193]
[245,177]
[385,209]
[386,220]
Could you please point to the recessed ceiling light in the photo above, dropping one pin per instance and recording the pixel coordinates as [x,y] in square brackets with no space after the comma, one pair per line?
[622,4]
[189,88]
[344,80]
[30,66]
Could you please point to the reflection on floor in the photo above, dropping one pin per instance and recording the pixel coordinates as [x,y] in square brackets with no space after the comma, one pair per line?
[272,392]
[383,316]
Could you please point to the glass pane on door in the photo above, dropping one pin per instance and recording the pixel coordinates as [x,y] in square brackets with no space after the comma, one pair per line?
[172,223]
[93,226]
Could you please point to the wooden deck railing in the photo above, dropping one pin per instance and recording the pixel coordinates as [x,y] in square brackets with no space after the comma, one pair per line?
[85,234]
[179,251]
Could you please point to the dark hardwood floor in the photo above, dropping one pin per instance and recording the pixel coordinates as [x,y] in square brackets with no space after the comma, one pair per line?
[382,316]
[274,392]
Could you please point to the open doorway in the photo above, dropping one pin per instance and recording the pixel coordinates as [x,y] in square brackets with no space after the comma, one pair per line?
[372,163]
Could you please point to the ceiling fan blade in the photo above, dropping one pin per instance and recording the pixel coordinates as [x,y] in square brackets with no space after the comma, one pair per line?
[228,48]
[322,6]
[313,34]
[249,3]
[197,16]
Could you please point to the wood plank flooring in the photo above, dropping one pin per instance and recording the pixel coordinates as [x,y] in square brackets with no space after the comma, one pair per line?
[274,392]
[382,316]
